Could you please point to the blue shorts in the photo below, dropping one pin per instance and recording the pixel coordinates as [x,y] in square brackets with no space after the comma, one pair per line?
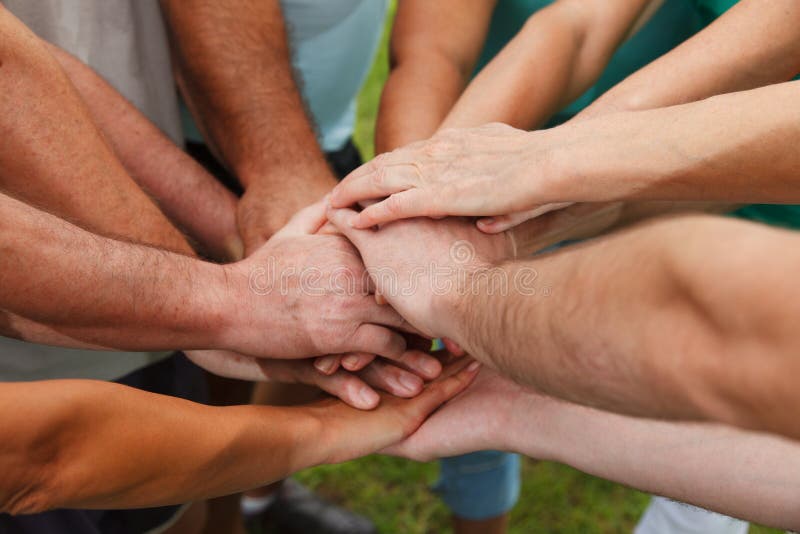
[480,485]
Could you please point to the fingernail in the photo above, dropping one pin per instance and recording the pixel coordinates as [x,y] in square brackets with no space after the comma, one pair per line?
[368,397]
[488,222]
[353,222]
[431,368]
[473,367]
[410,383]
[350,361]
[324,366]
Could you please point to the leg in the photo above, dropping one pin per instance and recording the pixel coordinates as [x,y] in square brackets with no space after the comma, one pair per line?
[480,489]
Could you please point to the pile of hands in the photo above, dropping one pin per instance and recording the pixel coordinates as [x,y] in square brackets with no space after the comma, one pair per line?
[349,301]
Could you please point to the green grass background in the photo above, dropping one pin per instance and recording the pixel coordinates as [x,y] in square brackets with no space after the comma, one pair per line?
[394,493]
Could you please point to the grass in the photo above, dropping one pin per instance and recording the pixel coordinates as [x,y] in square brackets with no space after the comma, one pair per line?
[394,493]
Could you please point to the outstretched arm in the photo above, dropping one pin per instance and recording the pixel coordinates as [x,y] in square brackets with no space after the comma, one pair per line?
[193,199]
[255,122]
[744,474]
[680,324]
[754,44]
[83,444]
[434,48]
[560,52]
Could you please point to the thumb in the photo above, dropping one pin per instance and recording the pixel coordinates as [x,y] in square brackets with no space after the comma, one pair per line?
[341,219]
[306,221]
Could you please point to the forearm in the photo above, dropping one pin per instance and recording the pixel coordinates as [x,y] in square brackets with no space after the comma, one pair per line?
[434,48]
[108,293]
[187,194]
[69,431]
[256,123]
[80,180]
[649,322]
[699,151]
[754,44]
[746,475]
[561,51]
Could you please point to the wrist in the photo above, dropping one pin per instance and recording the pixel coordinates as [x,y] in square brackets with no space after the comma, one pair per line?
[222,302]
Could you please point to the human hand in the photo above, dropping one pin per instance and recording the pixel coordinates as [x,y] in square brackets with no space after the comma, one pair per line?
[419,265]
[265,207]
[485,171]
[308,295]
[349,434]
[482,417]
[356,389]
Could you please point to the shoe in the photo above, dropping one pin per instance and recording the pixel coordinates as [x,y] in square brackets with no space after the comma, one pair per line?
[297,510]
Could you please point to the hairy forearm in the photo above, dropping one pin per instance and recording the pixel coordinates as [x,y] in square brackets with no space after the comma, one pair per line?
[743,474]
[699,151]
[665,320]
[80,180]
[187,194]
[185,452]
[108,293]
[754,44]
[256,123]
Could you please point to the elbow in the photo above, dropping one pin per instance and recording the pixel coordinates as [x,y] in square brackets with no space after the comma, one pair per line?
[30,492]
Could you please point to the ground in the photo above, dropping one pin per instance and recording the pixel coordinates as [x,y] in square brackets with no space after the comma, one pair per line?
[555,499]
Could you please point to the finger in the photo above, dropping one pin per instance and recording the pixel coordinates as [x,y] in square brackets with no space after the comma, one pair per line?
[349,388]
[306,221]
[496,225]
[454,380]
[378,340]
[453,347]
[377,179]
[356,361]
[341,218]
[385,316]
[328,229]
[327,365]
[402,205]
[420,363]
[392,379]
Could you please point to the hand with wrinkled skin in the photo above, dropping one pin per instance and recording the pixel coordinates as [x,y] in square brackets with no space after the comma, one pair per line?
[485,171]
[415,264]
[313,291]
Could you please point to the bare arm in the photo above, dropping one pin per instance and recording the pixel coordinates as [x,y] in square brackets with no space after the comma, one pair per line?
[743,474]
[434,48]
[680,325]
[59,435]
[560,52]
[255,122]
[53,156]
[188,195]
[755,43]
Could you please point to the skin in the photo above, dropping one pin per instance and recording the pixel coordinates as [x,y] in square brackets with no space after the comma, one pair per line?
[186,451]
[661,154]
[712,62]
[84,182]
[435,46]
[255,124]
[185,192]
[701,339]
[686,462]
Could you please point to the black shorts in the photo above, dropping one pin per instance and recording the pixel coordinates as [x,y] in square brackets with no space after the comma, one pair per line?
[175,376]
